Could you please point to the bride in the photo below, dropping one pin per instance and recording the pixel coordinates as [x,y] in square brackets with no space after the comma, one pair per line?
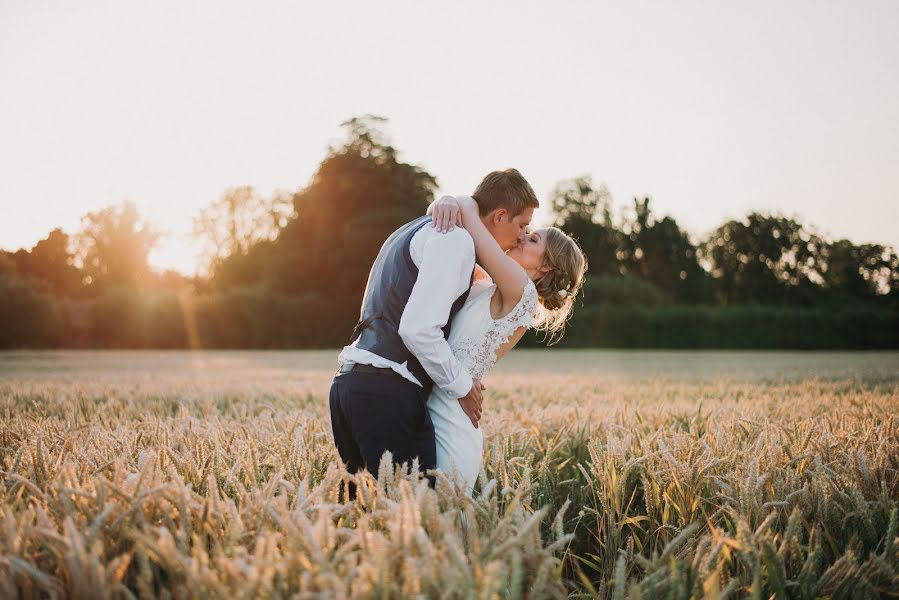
[533,285]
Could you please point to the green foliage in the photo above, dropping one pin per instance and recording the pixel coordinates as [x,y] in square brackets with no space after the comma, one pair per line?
[359,195]
[622,290]
[241,218]
[659,252]
[868,273]
[290,271]
[119,319]
[166,312]
[656,251]
[735,327]
[30,316]
[585,214]
[255,317]
[50,261]
[770,259]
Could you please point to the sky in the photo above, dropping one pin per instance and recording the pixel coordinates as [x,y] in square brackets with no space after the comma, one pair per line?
[713,109]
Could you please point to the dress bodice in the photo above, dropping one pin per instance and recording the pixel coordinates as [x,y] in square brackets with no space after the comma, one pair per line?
[476,336]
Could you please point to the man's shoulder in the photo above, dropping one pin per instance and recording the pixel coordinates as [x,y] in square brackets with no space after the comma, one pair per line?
[457,238]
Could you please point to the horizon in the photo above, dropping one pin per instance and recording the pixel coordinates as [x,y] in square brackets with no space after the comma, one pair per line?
[713,112]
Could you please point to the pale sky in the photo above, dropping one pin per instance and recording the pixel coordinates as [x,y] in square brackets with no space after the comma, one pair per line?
[713,109]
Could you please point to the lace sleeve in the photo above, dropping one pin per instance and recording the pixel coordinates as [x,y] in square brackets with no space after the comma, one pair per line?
[502,329]
[522,315]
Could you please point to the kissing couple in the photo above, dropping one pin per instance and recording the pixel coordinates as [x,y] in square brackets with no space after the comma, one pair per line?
[447,296]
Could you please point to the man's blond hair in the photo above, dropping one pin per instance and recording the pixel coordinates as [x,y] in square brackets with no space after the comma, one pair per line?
[505,189]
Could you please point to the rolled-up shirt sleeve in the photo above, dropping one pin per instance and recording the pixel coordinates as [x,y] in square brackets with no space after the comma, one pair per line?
[444,274]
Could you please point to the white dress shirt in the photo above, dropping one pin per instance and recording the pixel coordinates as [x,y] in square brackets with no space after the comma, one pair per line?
[445,262]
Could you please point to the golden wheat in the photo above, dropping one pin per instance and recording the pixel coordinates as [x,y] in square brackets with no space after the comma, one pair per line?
[228,486]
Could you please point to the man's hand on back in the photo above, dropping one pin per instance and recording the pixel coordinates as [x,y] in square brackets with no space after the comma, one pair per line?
[472,401]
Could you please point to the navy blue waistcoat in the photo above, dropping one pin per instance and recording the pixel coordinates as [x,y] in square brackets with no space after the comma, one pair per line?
[390,283]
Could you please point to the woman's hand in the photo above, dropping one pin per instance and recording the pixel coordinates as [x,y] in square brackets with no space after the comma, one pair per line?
[446,214]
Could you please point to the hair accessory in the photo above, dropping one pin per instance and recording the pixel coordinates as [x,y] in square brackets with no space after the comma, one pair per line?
[563,293]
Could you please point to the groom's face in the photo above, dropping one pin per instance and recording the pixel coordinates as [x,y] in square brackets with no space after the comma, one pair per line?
[510,231]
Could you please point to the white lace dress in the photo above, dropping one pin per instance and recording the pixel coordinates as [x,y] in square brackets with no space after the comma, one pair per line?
[474,338]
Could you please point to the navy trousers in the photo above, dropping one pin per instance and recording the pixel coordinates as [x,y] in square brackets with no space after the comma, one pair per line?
[371,413]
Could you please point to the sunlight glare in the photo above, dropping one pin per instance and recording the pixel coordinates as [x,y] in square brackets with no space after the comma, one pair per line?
[178,251]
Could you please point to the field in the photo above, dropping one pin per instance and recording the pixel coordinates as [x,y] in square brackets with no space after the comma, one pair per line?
[606,474]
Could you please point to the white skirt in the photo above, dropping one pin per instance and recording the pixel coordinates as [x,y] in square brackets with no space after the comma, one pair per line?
[460,446]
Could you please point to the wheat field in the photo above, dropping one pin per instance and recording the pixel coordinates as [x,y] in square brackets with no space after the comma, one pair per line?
[606,475]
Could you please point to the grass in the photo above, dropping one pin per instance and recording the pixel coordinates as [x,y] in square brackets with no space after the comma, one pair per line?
[123,481]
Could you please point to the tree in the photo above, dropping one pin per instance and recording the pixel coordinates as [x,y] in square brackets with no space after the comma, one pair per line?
[239,219]
[585,213]
[660,252]
[769,259]
[360,194]
[51,261]
[113,245]
[8,266]
[576,201]
[867,272]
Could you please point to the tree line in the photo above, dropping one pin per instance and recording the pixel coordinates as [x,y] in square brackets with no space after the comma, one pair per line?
[288,271]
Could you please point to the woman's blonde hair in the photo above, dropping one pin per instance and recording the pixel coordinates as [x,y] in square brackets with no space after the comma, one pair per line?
[558,288]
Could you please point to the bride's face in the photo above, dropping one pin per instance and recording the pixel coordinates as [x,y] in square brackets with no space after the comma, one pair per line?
[529,253]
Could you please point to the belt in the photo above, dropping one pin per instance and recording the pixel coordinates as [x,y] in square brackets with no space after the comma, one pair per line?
[368,369]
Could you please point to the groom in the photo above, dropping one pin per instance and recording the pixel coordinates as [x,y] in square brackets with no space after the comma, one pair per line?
[398,350]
